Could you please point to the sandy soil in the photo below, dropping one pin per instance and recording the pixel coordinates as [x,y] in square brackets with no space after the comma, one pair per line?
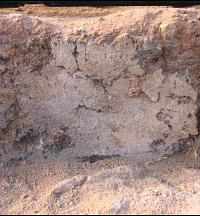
[43,10]
[110,186]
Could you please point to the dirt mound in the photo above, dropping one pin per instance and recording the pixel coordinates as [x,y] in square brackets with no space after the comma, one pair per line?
[111,186]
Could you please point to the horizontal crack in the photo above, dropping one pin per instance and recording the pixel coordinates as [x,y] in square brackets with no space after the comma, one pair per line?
[95,158]
[88,108]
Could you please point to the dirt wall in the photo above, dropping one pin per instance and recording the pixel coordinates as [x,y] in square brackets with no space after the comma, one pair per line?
[121,84]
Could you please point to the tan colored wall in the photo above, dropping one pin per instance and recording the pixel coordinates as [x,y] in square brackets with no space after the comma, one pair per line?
[126,83]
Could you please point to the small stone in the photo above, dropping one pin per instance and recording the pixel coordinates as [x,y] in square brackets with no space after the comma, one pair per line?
[134,91]
[51,173]
[83,36]
[158,193]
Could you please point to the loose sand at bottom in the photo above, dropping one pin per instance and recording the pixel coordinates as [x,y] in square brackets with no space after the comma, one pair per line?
[112,186]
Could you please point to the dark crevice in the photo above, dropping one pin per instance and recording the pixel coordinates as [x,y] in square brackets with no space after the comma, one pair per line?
[96,157]
[156,145]
[180,99]
[75,53]
[88,108]
[123,73]
[198,119]
[98,82]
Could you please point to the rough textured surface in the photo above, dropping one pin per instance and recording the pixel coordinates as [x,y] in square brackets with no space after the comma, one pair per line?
[126,83]
[111,186]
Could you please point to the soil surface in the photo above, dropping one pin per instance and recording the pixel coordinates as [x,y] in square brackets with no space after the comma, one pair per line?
[109,186]
[42,10]
[98,185]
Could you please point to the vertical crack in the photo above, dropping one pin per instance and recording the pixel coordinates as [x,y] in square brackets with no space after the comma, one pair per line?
[86,53]
[98,82]
[75,53]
